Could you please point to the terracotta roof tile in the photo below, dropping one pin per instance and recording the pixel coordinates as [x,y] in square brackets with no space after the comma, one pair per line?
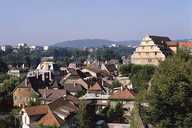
[49,120]
[95,87]
[37,110]
[125,94]
[185,44]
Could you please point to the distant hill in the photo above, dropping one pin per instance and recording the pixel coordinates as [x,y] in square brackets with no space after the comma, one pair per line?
[94,43]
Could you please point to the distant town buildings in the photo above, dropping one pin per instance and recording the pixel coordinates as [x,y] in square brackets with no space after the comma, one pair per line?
[57,91]
[14,72]
[45,48]
[20,45]
[24,45]
[174,45]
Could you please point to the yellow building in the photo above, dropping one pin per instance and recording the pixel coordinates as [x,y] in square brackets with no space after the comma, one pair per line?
[151,50]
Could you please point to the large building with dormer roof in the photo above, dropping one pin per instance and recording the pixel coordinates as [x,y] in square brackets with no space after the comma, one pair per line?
[152,50]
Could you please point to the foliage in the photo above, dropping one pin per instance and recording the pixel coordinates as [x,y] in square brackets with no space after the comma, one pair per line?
[105,53]
[140,75]
[9,122]
[115,84]
[170,94]
[34,100]
[125,69]
[135,121]
[3,66]
[7,86]
[114,114]
[82,116]
[9,83]
[81,93]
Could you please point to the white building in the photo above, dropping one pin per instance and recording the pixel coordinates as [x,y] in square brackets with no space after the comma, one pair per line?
[19,45]
[5,47]
[45,69]
[45,48]
[152,50]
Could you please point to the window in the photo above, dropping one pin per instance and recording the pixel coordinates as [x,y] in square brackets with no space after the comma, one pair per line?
[149,60]
[155,53]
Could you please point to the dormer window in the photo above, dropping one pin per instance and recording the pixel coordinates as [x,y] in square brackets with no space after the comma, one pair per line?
[155,53]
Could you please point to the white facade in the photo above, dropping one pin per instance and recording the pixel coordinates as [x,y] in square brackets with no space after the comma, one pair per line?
[3,48]
[19,45]
[45,66]
[25,119]
[147,53]
[45,48]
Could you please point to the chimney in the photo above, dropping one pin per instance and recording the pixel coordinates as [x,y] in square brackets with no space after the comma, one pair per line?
[26,82]
[50,76]
[43,76]
[37,74]
[45,93]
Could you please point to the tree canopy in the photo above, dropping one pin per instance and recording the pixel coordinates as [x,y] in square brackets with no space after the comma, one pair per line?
[170,104]
[140,75]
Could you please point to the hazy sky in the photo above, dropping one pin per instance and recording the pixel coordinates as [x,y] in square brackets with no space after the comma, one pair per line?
[50,21]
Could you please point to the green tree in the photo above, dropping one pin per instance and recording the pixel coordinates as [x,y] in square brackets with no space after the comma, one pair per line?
[115,114]
[140,75]
[170,104]
[83,118]
[34,100]
[115,84]
[9,122]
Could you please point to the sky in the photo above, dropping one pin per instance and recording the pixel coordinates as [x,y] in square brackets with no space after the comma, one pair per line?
[52,21]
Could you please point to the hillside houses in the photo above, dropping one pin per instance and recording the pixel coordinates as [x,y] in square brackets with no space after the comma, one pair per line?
[59,90]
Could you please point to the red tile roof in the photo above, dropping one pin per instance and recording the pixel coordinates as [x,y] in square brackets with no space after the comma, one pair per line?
[125,94]
[37,110]
[185,44]
[179,44]
[49,120]
[47,112]
[95,87]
